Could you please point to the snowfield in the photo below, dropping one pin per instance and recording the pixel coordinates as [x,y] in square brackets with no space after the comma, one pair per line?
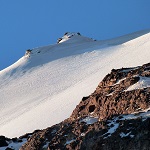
[43,89]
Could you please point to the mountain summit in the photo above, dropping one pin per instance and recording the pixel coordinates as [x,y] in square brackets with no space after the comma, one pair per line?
[75,37]
[44,86]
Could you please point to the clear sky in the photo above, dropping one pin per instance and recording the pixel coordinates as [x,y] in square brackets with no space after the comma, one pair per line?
[27,24]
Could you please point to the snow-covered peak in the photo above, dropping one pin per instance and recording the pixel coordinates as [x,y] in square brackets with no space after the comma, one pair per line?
[43,87]
[72,37]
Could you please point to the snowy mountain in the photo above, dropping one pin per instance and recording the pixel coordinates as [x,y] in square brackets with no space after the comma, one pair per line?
[44,86]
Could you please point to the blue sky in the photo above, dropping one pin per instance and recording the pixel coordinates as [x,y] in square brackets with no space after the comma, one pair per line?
[27,24]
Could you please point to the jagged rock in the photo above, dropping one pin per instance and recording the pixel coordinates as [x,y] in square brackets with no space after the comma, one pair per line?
[78,33]
[58,40]
[67,36]
[111,97]
[3,141]
[28,52]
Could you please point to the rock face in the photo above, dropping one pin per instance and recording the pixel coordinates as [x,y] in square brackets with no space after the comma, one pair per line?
[113,97]
[116,116]
[14,143]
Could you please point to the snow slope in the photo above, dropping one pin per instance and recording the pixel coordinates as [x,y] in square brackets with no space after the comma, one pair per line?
[43,89]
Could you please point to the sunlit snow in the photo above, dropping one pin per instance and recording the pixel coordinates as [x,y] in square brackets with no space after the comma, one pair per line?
[43,89]
[89,120]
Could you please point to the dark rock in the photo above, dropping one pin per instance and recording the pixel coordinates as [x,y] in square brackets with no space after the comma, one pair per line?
[91,108]
[66,33]
[28,52]
[3,141]
[58,40]
[8,148]
[78,33]
[14,139]
[85,98]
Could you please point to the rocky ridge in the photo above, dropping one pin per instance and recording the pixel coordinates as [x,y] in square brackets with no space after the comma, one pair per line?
[115,116]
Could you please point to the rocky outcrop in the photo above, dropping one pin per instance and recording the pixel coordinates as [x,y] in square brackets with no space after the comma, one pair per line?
[112,96]
[114,116]
[28,52]
[14,143]
[67,35]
